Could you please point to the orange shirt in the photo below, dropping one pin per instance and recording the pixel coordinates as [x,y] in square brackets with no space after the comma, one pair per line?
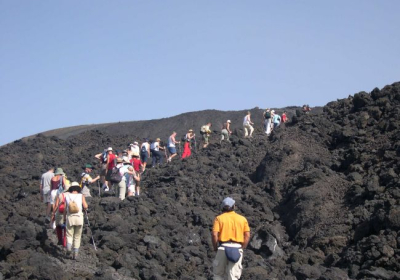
[231,227]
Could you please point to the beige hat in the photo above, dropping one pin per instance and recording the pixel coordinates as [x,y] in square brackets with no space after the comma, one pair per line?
[190,130]
[228,121]
[109,149]
[158,139]
[119,160]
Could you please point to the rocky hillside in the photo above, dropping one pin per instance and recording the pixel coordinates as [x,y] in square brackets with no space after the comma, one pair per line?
[321,196]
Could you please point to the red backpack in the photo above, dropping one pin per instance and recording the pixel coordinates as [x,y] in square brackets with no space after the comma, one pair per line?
[61,207]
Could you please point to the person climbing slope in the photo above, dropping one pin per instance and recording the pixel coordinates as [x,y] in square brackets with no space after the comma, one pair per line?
[75,202]
[267,121]
[247,125]
[188,139]
[144,153]
[172,146]
[226,131]
[86,180]
[205,131]
[45,190]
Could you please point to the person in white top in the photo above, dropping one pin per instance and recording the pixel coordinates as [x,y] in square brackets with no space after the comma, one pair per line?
[123,166]
[248,129]
[155,152]
[45,190]
[171,146]
[74,202]
[144,153]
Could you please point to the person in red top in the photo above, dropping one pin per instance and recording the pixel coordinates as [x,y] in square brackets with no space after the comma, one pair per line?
[186,148]
[110,164]
[136,163]
[284,117]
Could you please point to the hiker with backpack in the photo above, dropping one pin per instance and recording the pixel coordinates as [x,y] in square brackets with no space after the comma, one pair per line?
[45,191]
[86,180]
[230,236]
[186,147]
[58,183]
[156,155]
[226,131]
[73,216]
[205,131]
[276,120]
[145,153]
[267,121]
[58,218]
[102,157]
[171,146]
[111,162]
[118,176]
[135,150]
[247,126]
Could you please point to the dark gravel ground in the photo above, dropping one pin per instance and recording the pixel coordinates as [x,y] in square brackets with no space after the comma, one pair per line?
[321,196]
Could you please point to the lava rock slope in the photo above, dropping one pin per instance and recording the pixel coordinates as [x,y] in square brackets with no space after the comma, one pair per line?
[321,196]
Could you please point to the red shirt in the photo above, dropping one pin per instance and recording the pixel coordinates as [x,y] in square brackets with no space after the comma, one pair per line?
[136,164]
[111,163]
[284,117]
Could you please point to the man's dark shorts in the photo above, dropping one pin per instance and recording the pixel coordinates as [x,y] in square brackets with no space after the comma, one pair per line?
[144,157]
[172,150]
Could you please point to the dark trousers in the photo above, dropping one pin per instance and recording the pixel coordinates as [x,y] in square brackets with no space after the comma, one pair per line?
[157,157]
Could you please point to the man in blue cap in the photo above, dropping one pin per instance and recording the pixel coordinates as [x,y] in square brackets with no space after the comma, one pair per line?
[230,235]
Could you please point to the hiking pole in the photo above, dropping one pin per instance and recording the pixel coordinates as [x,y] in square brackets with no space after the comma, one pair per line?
[91,232]
[195,145]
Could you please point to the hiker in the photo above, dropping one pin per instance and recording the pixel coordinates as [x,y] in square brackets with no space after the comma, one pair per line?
[136,163]
[171,146]
[226,131]
[135,150]
[230,236]
[111,159]
[205,131]
[86,180]
[248,129]
[186,147]
[102,157]
[45,191]
[306,108]
[123,168]
[155,152]
[145,153]
[284,117]
[58,217]
[267,121]
[74,202]
[132,181]
[58,183]
[276,120]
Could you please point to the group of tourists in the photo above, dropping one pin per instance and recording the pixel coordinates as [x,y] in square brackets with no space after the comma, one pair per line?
[65,206]
[121,172]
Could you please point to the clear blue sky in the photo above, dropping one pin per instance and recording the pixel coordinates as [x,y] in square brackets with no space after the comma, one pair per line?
[65,63]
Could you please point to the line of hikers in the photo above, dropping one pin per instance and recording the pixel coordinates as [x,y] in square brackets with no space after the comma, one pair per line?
[121,173]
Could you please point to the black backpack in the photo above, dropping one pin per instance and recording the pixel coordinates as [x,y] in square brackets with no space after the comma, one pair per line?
[115,176]
[144,149]
[267,115]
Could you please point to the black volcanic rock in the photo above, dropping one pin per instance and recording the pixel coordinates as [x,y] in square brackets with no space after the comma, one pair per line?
[321,195]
